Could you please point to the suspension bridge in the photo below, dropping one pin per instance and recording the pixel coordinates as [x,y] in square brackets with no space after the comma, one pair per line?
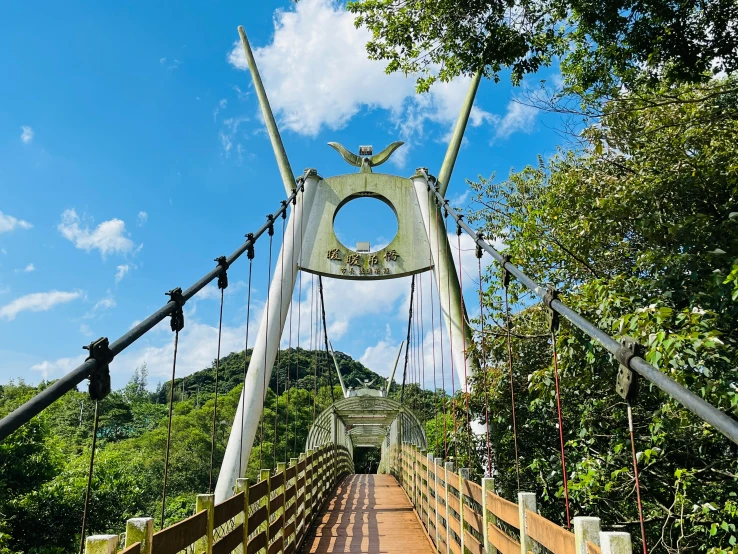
[419,501]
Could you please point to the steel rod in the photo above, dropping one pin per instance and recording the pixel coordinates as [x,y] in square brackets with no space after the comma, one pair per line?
[45,398]
[695,404]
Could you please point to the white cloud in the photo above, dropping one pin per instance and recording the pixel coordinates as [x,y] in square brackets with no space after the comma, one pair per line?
[29,268]
[105,304]
[27,134]
[381,357]
[142,218]
[222,104]
[107,237]
[9,223]
[58,367]
[519,117]
[37,302]
[85,330]
[316,80]
[121,272]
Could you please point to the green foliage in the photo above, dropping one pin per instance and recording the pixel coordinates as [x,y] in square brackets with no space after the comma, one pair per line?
[44,465]
[637,230]
[600,45]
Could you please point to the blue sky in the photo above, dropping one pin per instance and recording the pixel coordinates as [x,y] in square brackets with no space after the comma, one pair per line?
[132,153]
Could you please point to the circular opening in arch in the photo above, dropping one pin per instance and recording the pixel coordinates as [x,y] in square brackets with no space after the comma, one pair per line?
[365,219]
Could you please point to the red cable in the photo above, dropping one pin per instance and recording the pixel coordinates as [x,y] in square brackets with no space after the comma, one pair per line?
[463,335]
[637,479]
[561,430]
[483,367]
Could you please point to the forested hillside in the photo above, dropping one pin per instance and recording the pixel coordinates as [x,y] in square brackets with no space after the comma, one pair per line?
[43,466]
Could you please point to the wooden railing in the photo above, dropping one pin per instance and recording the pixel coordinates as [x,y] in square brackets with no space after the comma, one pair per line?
[271,516]
[462,516]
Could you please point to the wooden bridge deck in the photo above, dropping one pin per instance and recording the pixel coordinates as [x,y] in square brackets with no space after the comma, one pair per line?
[368,513]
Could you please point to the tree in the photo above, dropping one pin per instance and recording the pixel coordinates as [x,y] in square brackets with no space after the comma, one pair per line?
[638,231]
[601,45]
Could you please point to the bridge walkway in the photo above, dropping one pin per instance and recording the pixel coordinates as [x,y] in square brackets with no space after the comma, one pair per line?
[370,514]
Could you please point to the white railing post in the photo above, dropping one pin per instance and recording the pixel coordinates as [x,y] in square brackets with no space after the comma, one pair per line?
[612,542]
[206,502]
[101,544]
[585,529]
[282,468]
[242,485]
[449,468]
[438,465]
[140,529]
[266,475]
[526,501]
[463,474]
[488,518]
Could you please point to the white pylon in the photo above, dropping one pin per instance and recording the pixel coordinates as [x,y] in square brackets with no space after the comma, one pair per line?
[249,409]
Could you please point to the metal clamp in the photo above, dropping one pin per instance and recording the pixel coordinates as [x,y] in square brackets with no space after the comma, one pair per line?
[284,212]
[270,219]
[100,378]
[223,276]
[626,384]
[294,196]
[552,316]
[505,273]
[480,237]
[250,246]
[458,225]
[177,318]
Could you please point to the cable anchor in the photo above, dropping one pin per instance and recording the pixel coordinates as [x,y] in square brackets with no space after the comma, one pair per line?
[626,384]
[100,377]
[458,225]
[480,237]
[552,316]
[223,275]
[270,220]
[177,317]
[284,212]
[294,196]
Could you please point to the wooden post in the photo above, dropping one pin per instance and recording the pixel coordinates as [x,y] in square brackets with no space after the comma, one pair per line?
[612,542]
[140,529]
[526,501]
[309,488]
[449,468]
[488,518]
[206,502]
[463,474]
[438,463]
[300,499]
[422,455]
[242,485]
[101,544]
[428,484]
[293,536]
[266,475]
[585,529]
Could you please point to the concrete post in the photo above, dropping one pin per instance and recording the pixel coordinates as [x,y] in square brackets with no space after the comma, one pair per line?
[585,529]
[448,468]
[463,474]
[265,348]
[526,501]
[447,281]
[101,544]
[488,518]
[242,485]
[206,502]
[612,542]
[266,475]
[140,529]
[438,462]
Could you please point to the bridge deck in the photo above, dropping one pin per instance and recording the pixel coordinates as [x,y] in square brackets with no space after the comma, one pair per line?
[368,513]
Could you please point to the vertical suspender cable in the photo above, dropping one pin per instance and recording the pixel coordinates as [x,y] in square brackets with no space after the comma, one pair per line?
[463,336]
[95,423]
[266,343]
[299,312]
[290,353]
[279,357]
[483,362]
[325,336]
[506,282]
[312,345]
[407,350]
[250,254]
[637,477]
[176,324]
[222,285]
[433,330]
[422,335]
[451,344]
[440,328]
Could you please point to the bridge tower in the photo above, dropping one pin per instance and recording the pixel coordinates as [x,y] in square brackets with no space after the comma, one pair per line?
[421,244]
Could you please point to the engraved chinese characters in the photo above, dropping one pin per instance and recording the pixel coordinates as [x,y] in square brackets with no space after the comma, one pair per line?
[364,264]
